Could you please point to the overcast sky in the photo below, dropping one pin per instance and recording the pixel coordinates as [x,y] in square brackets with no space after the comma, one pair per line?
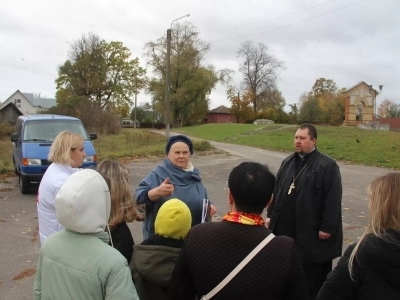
[344,40]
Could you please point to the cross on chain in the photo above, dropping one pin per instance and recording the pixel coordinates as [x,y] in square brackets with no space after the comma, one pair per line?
[291,188]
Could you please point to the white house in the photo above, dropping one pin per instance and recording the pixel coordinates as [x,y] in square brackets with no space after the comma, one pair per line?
[27,104]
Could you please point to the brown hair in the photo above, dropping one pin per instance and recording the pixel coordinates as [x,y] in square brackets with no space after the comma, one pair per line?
[384,210]
[312,131]
[64,143]
[123,207]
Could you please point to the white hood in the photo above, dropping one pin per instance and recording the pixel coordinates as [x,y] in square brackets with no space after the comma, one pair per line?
[83,203]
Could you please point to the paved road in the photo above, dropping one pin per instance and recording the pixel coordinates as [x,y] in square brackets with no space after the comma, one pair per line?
[18,218]
[355,179]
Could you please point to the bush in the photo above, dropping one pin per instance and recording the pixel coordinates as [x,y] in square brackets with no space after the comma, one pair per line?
[6,129]
[202,146]
[95,119]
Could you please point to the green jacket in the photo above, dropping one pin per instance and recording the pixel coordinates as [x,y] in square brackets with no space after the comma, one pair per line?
[82,266]
[78,263]
[152,268]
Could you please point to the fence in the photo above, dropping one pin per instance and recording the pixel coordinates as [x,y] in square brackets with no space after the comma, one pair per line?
[374,125]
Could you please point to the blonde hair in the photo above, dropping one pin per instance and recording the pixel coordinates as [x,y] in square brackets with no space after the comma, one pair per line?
[123,207]
[64,143]
[384,210]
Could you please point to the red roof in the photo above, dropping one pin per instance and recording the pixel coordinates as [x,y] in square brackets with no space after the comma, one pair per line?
[220,110]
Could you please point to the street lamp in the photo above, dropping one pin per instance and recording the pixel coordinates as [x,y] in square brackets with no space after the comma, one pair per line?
[375,94]
[168,79]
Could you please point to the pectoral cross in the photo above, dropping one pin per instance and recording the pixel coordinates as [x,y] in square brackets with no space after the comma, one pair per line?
[291,188]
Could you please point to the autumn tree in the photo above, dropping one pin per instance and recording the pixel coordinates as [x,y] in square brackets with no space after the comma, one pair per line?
[260,70]
[383,108]
[294,113]
[191,81]
[271,98]
[101,72]
[310,112]
[241,103]
[388,109]
[394,111]
[330,99]
[140,114]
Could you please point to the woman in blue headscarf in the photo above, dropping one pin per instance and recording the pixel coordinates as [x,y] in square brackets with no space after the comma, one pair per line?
[175,177]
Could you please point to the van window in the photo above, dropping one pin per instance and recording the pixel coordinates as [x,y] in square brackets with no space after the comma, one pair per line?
[47,130]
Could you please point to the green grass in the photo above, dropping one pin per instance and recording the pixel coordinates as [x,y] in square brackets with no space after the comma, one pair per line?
[376,148]
[129,144]
[6,164]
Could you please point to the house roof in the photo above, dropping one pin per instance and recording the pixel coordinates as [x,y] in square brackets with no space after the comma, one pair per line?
[14,106]
[220,110]
[42,102]
[357,85]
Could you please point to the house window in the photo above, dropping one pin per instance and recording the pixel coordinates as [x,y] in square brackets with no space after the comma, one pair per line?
[17,101]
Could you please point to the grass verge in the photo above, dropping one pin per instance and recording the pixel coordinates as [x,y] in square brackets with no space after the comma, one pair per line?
[128,145]
[373,148]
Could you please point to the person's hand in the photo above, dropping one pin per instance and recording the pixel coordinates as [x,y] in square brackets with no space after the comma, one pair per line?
[323,235]
[213,210]
[267,220]
[165,189]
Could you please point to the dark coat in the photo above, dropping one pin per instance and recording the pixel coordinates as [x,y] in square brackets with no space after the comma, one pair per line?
[123,241]
[376,272]
[213,250]
[152,267]
[318,197]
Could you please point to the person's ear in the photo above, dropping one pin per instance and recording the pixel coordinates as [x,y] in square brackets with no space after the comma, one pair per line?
[270,200]
[230,197]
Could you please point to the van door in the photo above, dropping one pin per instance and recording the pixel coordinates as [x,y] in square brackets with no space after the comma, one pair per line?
[17,151]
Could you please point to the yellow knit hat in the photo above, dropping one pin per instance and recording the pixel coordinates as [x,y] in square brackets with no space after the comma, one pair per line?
[173,219]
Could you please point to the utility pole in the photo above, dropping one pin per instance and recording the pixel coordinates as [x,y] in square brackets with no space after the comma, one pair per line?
[375,94]
[168,82]
[134,118]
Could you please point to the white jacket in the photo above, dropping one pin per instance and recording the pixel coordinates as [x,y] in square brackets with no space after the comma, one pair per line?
[52,180]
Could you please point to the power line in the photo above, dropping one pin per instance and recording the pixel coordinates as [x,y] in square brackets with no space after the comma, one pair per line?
[288,25]
[268,20]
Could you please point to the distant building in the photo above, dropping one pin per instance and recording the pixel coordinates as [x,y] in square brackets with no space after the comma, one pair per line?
[221,114]
[23,104]
[393,123]
[360,104]
[127,122]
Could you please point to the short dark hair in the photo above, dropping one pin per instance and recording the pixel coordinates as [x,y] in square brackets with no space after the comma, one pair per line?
[251,185]
[312,131]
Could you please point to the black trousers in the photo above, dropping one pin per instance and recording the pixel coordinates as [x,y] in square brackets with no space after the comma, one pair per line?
[315,277]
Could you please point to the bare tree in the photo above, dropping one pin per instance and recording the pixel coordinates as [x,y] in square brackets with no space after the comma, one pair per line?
[38,95]
[260,69]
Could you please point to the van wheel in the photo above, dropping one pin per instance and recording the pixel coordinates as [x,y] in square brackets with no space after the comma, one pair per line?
[24,185]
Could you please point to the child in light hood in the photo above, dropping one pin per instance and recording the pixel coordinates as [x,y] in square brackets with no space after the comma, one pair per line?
[77,263]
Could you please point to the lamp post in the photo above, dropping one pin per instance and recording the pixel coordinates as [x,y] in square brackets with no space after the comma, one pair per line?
[375,94]
[168,79]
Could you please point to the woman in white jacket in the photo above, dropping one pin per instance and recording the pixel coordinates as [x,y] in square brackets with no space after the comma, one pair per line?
[66,154]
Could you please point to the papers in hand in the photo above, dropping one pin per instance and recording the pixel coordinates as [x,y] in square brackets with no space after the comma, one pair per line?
[205,214]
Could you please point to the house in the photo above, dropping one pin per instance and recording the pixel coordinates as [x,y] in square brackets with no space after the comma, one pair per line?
[10,113]
[221,114]
[360,104]
[23,104]
[394,123]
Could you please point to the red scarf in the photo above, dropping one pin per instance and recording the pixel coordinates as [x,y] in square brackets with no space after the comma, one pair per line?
[244,218]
